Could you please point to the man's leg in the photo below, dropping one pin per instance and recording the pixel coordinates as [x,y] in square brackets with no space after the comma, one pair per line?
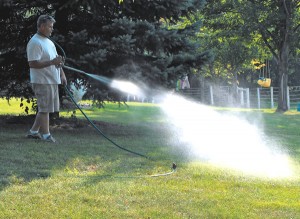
[41,123]
[47,101]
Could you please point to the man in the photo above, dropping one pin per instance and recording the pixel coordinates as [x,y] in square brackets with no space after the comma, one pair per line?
[45,74]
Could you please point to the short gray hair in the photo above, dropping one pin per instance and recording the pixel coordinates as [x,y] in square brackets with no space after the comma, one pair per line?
[44,19]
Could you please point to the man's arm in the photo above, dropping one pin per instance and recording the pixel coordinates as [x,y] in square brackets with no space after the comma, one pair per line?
[63,77]
[43,64]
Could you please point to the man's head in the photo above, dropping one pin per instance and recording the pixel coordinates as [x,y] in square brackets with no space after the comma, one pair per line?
[45,25]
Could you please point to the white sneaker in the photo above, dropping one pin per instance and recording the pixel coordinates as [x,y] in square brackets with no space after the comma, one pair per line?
[34,136]
[49,139]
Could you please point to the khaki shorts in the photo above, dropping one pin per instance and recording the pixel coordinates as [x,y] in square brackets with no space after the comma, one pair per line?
[47,97]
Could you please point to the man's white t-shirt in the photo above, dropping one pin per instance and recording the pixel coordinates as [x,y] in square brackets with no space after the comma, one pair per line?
[42,49]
